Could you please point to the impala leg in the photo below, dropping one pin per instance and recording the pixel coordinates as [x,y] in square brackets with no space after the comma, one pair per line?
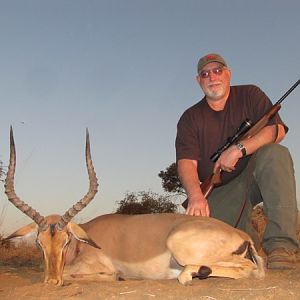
[84,271]
[191,271]
[95,277]
[235,267]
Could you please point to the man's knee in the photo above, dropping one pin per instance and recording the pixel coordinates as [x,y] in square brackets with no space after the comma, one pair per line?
[273,151]
[272,162]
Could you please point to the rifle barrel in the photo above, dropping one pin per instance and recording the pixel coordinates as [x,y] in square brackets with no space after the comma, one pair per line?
[288,92]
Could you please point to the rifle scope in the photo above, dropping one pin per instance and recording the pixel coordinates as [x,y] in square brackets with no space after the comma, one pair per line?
[241,130]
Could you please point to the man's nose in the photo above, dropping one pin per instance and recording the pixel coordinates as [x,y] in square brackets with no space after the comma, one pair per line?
[212,76]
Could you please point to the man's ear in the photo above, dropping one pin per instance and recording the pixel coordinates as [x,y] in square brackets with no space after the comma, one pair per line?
[229,71]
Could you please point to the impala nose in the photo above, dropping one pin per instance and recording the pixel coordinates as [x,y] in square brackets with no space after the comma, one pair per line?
[55,281]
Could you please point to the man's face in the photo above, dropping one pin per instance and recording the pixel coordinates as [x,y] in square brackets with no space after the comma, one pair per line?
[214,80]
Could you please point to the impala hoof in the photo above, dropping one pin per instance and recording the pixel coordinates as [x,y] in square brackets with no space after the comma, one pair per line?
[185,279]
[203,272]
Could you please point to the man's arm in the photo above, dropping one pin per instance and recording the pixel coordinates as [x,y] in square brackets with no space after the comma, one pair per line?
[188,175]
[267,135]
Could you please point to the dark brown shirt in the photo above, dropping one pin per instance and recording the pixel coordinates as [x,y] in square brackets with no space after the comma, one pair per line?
[201,131]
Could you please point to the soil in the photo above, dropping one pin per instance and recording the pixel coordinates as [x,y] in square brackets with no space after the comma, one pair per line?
[26,283]
[21,277]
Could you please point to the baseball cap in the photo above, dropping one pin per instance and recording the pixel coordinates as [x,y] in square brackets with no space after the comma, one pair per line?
[212,57]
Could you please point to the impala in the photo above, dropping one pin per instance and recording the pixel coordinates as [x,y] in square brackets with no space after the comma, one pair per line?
[151,246]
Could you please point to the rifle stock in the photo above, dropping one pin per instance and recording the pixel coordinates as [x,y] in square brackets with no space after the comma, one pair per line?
[215,179]
[207,186]
[257,127]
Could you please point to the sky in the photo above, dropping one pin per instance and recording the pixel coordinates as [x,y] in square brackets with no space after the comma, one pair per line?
[126,71]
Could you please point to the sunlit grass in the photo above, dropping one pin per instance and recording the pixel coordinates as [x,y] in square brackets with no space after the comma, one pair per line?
[22,254]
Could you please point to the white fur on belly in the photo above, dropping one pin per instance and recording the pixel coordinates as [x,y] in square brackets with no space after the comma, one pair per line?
[158,267]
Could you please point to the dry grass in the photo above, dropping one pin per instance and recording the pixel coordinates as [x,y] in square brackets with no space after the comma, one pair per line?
[259,221]
[21,255]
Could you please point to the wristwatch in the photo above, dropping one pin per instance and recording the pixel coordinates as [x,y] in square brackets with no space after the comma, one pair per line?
[242,148]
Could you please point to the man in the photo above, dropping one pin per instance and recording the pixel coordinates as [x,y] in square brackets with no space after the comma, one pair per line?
[255,170]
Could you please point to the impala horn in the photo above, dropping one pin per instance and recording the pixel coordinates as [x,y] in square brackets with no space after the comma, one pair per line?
[10,191]
[93,188]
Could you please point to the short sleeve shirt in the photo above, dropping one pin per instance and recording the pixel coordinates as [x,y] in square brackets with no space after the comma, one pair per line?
[201,131]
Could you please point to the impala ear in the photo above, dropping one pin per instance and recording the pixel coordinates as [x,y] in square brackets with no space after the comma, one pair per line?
[24,231]
[81,235]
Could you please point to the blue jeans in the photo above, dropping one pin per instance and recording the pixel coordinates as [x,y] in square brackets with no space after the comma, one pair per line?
[268,178]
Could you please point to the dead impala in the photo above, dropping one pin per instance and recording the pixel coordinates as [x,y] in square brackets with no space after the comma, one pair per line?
[152,246]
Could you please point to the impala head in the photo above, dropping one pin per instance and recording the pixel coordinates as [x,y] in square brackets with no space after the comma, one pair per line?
[54,232]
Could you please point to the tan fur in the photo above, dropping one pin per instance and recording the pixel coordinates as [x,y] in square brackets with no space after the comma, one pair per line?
[153,246]
[156,246]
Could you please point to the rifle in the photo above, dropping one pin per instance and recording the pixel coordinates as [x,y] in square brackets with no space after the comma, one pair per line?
[245,131]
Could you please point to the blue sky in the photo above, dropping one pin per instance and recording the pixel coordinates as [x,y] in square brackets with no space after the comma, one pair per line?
[126,70]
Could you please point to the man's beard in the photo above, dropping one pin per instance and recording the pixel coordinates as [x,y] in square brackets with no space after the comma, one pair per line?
[215,93]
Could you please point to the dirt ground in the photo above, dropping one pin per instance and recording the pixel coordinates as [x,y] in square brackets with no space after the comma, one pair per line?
[25,283]
[21,278]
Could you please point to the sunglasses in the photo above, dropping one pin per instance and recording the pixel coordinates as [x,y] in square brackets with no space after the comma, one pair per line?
[216,71]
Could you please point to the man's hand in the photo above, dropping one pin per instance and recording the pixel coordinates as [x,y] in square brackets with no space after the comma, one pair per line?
[228,159]
[198,206]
